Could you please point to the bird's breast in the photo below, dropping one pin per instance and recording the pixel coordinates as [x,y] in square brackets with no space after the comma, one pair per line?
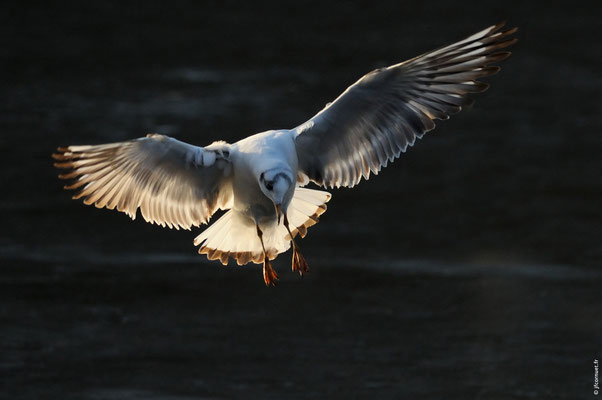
[256,154]
[248,197]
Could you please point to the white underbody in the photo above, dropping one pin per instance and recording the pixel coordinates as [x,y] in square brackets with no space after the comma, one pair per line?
[251,156]
[234,235]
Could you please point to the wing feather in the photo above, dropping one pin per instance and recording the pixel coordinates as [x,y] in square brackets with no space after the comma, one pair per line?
[384,112]
[173,183]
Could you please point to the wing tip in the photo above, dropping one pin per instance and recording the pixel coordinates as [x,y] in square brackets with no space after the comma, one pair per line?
[62,165]
[496,27]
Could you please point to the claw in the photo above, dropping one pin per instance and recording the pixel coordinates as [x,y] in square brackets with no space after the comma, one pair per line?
[269,275]
[299,263]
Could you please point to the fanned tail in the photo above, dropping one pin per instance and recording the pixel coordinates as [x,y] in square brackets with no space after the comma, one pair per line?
[305,209]
[235,236]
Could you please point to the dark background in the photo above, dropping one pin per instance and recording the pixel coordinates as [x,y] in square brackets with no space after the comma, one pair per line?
[469,269]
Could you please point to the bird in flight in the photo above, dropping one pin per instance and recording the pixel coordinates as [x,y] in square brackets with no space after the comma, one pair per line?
[260,179]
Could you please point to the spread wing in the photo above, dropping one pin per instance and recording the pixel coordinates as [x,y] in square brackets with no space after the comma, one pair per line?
[384,112]
[173,183]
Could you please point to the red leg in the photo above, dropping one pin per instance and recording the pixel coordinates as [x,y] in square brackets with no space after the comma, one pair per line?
[299,264]
[269,275]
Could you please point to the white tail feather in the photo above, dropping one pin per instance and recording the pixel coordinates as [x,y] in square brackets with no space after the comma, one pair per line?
[235,236]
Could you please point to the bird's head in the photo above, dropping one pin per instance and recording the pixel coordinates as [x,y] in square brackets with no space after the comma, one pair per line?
[276,185]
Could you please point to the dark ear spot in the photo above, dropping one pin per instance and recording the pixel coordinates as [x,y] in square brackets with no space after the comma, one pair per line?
[261,178]
[269,186]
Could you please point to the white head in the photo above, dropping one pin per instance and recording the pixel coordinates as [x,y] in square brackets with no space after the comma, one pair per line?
[277,184]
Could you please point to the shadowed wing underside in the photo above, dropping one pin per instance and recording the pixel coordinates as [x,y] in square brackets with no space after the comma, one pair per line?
[383,113]
[173,183]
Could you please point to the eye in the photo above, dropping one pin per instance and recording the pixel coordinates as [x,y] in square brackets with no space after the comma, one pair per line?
[269,186]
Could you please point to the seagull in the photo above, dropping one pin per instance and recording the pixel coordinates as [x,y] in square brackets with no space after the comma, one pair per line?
[260,180]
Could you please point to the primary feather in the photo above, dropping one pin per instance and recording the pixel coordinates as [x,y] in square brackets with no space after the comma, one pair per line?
[173,183]
[385,111]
